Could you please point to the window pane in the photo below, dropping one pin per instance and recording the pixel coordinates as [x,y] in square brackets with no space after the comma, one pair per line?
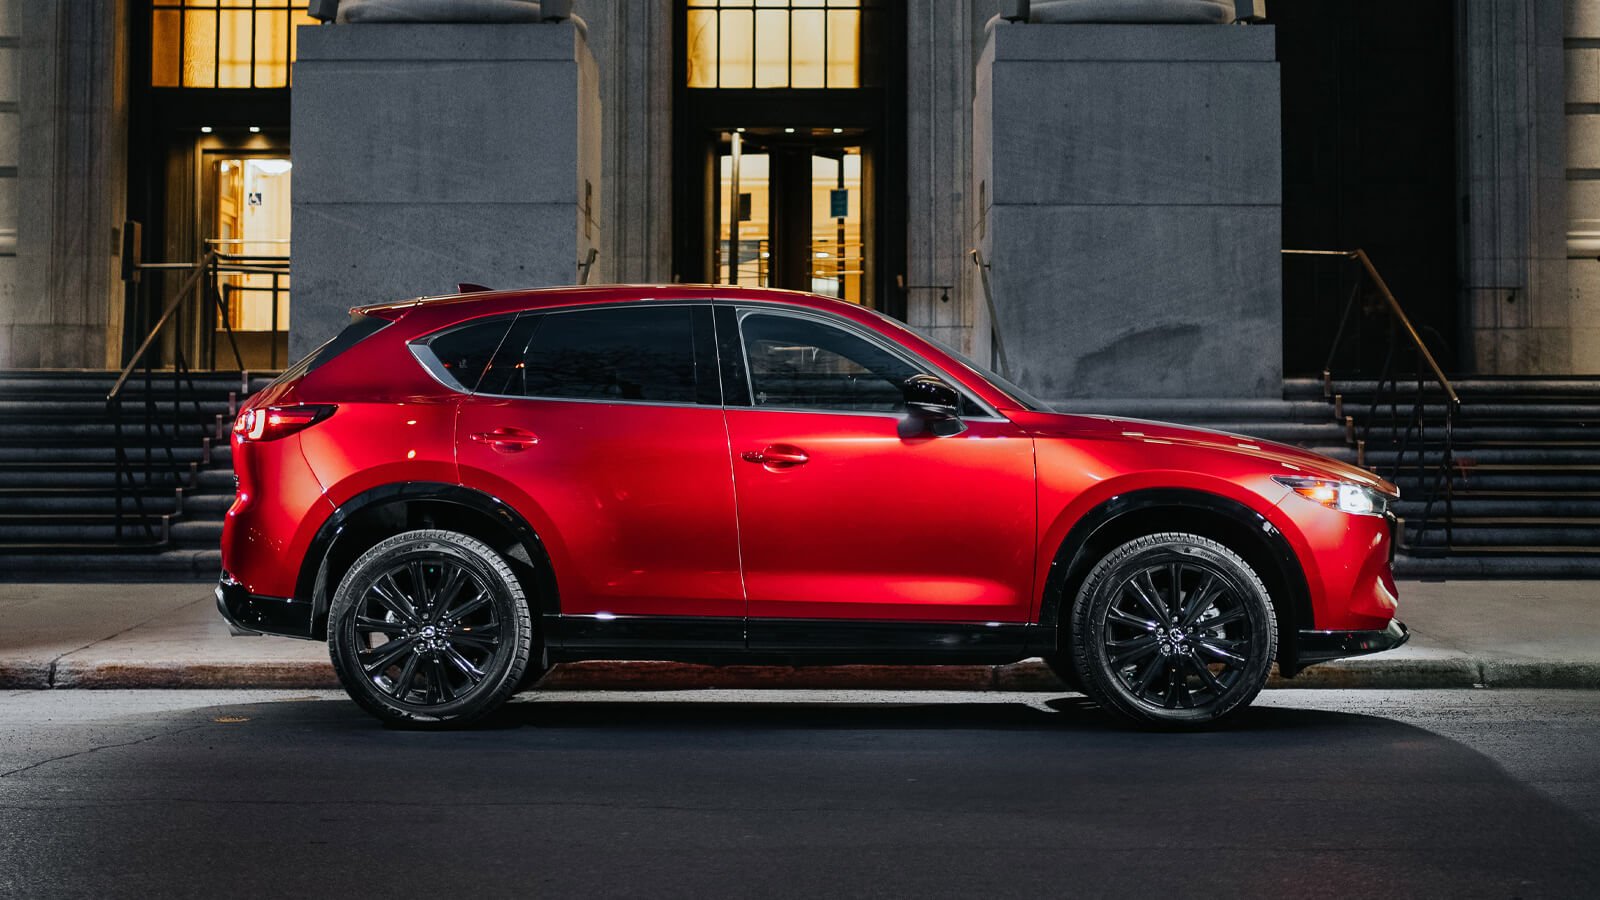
[805,364]
[644,353]
[737,49]
[465,352]
[702,48]
[199,49]
[271,43]
[844,48]
[807,28]
[165,57]
[233,62]
[772,48]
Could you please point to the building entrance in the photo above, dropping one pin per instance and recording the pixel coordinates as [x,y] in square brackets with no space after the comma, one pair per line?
[791,211]
[789,147]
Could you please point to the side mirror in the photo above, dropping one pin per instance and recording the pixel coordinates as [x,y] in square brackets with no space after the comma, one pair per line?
[934,404]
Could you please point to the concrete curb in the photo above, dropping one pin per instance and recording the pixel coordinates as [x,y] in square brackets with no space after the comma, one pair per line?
[1029,675]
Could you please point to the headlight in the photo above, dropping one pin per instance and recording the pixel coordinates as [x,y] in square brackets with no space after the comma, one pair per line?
[1356,499]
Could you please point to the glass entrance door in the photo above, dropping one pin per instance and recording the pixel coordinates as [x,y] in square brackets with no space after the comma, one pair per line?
[250,200]
[792,211]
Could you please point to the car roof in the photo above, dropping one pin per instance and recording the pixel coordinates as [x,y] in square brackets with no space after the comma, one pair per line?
[475,303]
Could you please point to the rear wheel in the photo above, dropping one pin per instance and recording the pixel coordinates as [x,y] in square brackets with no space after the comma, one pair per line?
[1173,630]
[430,627]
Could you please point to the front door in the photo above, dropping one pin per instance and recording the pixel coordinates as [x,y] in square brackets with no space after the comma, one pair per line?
[603,427]
[844,513]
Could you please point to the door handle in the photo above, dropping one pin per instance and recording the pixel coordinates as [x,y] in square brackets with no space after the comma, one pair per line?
[777,456]
[506,440]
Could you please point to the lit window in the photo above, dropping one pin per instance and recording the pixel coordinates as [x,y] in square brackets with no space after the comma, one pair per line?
[223,43]
[778,43]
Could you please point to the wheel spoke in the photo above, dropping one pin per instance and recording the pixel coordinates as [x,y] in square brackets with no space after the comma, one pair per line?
[1206,675]
[1213,647]
[392,598]
[471,606]
[1133,649]
[1227,618]
[473,673]
[383,656]
[441,679]
[1129,619]
[1148,677]
[408,672]
[419,587]
[1200,599]
[369,624]
[478,641]
[1174,602]
[449,587]
[1148,596]
[1169,697]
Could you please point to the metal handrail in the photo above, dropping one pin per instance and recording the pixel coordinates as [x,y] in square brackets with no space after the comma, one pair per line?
[1443,484]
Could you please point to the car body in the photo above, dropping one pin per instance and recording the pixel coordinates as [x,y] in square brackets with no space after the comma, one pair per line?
[722,474]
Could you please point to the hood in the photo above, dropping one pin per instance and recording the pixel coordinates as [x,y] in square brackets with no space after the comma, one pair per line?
[1116,428]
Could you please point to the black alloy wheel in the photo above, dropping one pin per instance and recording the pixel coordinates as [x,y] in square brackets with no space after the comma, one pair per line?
[430,627]
[1173,630]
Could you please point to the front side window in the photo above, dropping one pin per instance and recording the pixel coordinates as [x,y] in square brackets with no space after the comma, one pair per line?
[803,363]
[636,353]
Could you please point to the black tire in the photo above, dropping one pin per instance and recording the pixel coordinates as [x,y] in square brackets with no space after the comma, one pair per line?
[1173,631]
[430,628]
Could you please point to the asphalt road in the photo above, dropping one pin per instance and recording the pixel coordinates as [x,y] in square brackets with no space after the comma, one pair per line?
[1315,794]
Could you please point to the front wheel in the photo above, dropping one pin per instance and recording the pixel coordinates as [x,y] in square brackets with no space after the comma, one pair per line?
[1173,631]
[430,628]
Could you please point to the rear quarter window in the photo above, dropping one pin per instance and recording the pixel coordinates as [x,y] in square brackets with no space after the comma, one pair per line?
[461,354]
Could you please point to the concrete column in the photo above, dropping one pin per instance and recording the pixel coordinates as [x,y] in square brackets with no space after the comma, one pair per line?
[1130,194]
[1582,45]
[430,154]
[939,72]
[632,44]
[63,158]
[1513,178]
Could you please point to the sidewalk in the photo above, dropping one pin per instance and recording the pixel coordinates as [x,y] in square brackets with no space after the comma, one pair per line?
[1464,634]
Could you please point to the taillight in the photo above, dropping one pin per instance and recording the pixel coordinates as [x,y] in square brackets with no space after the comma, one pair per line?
[269,423]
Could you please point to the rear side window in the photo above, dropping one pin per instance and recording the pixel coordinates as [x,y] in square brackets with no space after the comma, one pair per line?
[640,353]
[463,353]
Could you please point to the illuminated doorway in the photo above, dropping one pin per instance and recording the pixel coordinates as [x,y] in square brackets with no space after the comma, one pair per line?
[789,147]
[791,212]
[248,213]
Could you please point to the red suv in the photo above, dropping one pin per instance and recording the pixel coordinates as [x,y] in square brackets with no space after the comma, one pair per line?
[457,492]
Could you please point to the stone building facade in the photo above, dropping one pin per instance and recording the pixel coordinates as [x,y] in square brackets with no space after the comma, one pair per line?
[1468,164]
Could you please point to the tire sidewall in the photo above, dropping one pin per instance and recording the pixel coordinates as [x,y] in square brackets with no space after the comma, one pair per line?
[1100,588]
[506,594]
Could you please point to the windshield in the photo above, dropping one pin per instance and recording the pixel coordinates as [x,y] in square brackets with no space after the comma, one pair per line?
[1004,385]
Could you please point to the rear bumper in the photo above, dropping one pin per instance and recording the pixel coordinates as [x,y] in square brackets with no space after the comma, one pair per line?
[257,614]
[1321,646]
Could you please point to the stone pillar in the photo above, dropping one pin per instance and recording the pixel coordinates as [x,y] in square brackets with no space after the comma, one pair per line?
[1582,44]
[632,44]
[1513,176]
[426,155]
[939,57]
[63,161]
[1129,189]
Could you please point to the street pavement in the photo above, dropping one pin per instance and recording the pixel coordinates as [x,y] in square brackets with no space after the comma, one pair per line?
[1533,634]
[1325,793]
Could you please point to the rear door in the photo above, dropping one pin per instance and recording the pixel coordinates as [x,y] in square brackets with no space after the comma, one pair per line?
[603,426]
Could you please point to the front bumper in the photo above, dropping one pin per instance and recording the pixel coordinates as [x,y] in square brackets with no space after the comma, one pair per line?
[251,613]
[1321,646]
